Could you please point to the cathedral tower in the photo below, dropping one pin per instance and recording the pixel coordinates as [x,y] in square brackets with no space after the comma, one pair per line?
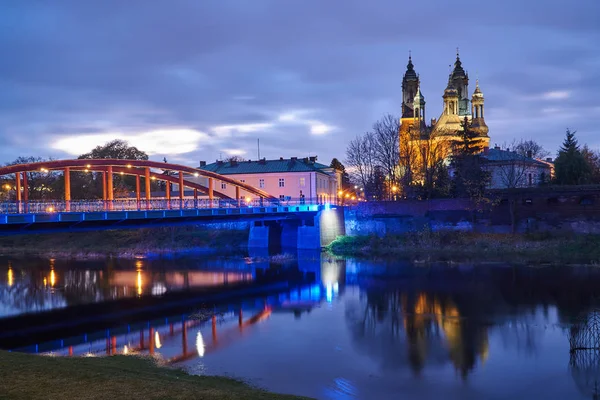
[451,99]
[477,101]
[410,84]
[419,106]
[460,81]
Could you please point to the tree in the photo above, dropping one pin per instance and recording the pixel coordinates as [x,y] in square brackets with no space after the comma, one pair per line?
[386,146]
[528,148]
[41,185]
[116,149]
[511,169]
[470,178]
[592,158]
[469,142]
[570,167]
[89,185]
[234,159]
[337,165]
[360,156]
[433,175]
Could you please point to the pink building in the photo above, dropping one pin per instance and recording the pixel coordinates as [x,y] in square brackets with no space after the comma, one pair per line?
[287,179]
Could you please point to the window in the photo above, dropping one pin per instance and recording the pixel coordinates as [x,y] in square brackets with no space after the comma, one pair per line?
[281,182]
[223,185]
[302,182]
[243,180]
[281,197]
[261,183]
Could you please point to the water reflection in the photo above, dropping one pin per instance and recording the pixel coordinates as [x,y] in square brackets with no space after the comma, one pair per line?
[361,329]
[38,285]
[422,328]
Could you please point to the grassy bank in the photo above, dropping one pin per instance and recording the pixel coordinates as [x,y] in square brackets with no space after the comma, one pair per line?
[461,246]
[27,376]
[126,243]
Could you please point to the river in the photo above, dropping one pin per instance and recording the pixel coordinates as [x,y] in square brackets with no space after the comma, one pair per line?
[337,329]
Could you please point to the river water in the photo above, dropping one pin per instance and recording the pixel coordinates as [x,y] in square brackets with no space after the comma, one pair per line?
[350,330]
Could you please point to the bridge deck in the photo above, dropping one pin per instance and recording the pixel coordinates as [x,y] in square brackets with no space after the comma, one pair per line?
[94,220]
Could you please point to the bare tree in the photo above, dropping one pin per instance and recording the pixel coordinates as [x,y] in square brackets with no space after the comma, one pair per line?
[528,148]
[234,159]
[386,143]
[510,169]
[592,158]
[432,154]
[360,157]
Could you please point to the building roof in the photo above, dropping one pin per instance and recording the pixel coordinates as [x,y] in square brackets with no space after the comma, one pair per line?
[499,156]
[266,166]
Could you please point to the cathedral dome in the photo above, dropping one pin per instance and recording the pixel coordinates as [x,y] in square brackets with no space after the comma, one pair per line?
[419,98]
[410,74]
[450,91]
[458,71]
[477,94]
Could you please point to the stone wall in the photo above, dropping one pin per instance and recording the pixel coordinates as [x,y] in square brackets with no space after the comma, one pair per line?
[527,210]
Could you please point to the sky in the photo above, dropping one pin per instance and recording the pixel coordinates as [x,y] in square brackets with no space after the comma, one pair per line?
[195,80]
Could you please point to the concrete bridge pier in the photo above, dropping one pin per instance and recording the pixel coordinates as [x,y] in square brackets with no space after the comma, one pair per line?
[310,233]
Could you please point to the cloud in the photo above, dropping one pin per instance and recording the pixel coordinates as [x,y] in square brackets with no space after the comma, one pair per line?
[556,95]
[303,76]
[164,141]
[318,128]
[227,130]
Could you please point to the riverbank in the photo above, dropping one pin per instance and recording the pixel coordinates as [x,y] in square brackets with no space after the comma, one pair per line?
[127,243]
[542,248]
[26,376]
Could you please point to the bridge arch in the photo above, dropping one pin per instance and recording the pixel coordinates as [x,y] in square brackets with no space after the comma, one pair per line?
[138,168]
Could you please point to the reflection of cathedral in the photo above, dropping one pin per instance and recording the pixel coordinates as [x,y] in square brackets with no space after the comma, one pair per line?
[426,329]
[421,142]
[429,313]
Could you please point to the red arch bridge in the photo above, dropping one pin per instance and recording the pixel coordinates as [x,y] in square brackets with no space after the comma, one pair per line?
[206,206]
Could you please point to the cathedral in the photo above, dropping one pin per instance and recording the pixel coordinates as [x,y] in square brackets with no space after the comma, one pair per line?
[422,143]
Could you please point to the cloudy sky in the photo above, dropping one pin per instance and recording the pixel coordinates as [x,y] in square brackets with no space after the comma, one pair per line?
[198,79]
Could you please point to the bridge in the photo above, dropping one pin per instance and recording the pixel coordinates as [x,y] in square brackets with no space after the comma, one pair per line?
[293,223]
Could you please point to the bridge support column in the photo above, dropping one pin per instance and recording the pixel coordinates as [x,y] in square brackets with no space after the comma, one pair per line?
[265,236]
[67,174]
[289,234]
[195,198]
[327,226]
[147,184]
[237,195]
[18,189]
[259,237]
[109,189]
[181,191]
[211,184]
[25,193]
[137,191]
[104,188]
[168,194]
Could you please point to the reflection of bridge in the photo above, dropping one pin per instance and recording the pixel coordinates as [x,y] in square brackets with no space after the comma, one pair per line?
[179,338]
[249,204]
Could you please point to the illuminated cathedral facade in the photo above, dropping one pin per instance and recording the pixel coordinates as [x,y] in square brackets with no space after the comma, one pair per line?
[422,143]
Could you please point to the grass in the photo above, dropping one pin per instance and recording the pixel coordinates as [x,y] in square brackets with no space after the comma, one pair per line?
[542,248]
[26,376]
[124,243]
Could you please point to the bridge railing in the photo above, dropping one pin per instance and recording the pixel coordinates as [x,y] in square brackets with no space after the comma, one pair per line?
[51,206]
